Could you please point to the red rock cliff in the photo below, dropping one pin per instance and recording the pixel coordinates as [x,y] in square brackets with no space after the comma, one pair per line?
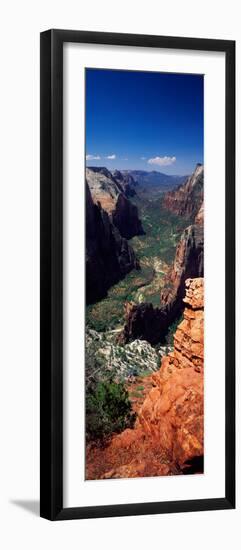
[187,199]
[188,263]
[168,437]
[173,411]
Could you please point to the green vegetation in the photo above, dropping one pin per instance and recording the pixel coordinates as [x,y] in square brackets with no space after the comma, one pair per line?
[162,229]
[136,394]
[156,251]
[108,405]
[147,372]
[172,329]
[108,410]
[108,313]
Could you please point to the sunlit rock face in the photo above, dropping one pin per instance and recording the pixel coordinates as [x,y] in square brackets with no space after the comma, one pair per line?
[112,195]
[127,182]
[173,411]
[109,257]
[168,437]
[187,199]
[199,219]
[188,263]
[151,323]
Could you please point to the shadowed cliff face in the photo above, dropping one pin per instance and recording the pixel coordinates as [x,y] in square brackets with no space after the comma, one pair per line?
[143,322]
[112,195]
[168,437]
[126,181]
[188,263]
[109,257]
[125,218]
[187,199]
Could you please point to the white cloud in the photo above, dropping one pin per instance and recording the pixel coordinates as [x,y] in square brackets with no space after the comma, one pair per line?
[111,157]
[124,158]
[143,158]
[92,157]
[162,161]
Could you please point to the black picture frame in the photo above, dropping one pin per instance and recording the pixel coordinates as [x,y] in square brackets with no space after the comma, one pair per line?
[51,324]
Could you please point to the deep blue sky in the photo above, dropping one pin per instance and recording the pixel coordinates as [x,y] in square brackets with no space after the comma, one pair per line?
[132,114]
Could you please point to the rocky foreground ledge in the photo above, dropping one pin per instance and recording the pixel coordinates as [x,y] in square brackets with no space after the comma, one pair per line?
[168,436]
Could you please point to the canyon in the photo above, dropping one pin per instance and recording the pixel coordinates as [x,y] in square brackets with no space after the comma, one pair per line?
[189,262]
[168,436]
[109,257]
[144,323]
[154,182]
[126,181]
[148,323]
[112,194]
[187,199]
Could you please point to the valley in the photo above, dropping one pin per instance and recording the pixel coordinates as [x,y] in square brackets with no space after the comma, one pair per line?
[155,251]
[144,261]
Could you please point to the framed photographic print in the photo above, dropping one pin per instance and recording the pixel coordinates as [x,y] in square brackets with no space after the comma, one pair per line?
[137,274]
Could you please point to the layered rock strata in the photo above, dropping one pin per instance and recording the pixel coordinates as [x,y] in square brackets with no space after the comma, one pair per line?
[111,195]
[168,437]
[150,323]
[173,410]
[188,263]
[109,257]
[126,181]
[199,219]
[187,199]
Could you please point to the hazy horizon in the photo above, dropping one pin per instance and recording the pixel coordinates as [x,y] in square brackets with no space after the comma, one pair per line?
[162,172]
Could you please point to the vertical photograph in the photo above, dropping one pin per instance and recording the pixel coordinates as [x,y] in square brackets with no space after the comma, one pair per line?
[144,274]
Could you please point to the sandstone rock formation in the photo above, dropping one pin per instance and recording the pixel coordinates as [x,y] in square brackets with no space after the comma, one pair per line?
[199,219]
[109,257]
[168,437]
[145,322]
[188,263]
[150,323]
[187,199]
[110,194]
[173,410]
[126,181]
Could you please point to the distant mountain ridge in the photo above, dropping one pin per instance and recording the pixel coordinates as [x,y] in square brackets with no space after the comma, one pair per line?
[130,182]
[146,322]
[155,178]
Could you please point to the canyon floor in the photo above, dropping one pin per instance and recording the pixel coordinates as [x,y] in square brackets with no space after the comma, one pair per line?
[160,383]
[155,251]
